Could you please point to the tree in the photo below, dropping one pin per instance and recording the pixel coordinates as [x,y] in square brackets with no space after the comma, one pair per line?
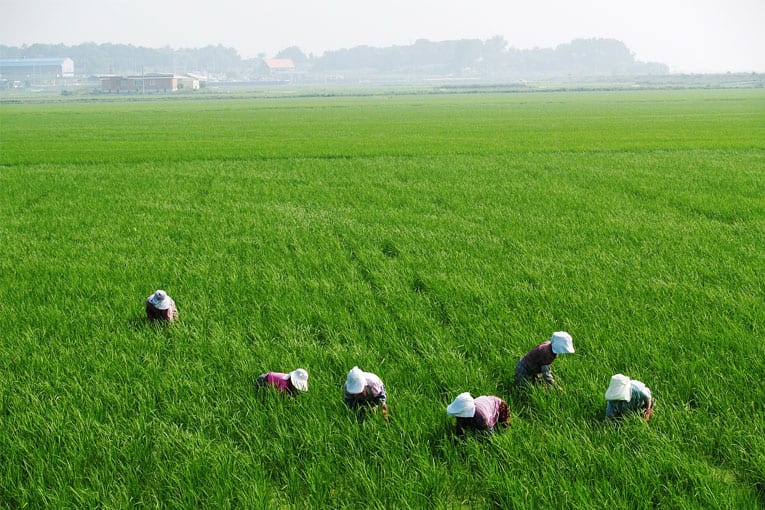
[294,53]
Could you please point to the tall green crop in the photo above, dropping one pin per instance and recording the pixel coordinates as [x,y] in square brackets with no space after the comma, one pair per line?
[432,240]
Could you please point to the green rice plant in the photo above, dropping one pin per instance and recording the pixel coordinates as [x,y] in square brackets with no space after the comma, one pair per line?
[431,239]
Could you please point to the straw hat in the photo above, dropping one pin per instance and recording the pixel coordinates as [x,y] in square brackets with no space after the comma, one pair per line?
[160,300]
[299,378]
[356,381]
[619,389]
[562,343]
[463,406]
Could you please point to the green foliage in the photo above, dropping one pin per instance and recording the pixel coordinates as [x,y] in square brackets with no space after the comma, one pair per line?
[94,59]
[431,240]
[464,57]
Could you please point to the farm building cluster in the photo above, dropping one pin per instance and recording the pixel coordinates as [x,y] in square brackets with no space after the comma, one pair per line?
[30,72]
[34,72]
[150,83]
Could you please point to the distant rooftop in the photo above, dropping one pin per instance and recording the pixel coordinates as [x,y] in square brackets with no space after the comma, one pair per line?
[279,63]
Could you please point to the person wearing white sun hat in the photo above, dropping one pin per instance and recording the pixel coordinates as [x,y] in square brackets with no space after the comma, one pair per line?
[160,306]
[291,382]
[481,413]
[625,395]
[535,365]
[365,389]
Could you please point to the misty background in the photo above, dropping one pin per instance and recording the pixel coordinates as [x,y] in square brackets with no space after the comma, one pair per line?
[459,59]
[701,36]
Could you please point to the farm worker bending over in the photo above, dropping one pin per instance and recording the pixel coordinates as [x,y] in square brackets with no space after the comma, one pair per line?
[291,383]
[160,306]
[624,395]
[481,413]
[364,389]
[535,365]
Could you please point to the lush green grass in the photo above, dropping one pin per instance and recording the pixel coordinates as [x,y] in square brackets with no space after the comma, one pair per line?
[430,239]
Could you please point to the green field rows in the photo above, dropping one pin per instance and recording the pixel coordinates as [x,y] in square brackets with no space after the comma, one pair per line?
[431,239]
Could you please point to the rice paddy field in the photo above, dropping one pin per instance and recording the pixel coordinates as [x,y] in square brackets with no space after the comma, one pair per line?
[430,239]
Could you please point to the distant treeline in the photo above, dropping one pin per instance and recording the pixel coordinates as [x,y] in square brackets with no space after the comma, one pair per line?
[95,59]
[466,58]
[581,57]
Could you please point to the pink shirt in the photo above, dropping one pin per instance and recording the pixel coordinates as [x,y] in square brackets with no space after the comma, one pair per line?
[278,380]
[488,408]
[488,411]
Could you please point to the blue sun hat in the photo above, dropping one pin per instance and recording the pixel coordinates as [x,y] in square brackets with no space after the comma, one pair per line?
[356,381]
[160,300]
[619,388]
[463,406]
[562,343]
[299,379]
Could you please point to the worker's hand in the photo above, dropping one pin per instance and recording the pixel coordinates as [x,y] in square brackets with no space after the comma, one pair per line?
[648,413]
[384,412]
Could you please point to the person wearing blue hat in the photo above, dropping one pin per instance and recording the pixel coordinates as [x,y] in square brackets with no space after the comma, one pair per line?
[290,383]
[363,390]
[481,413]
[626,395]
[535,366]
[160,306]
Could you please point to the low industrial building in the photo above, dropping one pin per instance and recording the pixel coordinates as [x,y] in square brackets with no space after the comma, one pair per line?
[149,83]
[37,71]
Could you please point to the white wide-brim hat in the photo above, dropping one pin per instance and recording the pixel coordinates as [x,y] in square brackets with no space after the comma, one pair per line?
[299,379]
[462,407]
[356,381]
[619,389]
[562,343]
[160,300]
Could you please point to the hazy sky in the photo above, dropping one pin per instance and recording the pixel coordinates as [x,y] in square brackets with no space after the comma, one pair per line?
[688,35]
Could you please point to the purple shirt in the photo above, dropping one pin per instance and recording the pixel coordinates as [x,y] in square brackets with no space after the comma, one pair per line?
[278,380]
[540,355]
[488,411]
